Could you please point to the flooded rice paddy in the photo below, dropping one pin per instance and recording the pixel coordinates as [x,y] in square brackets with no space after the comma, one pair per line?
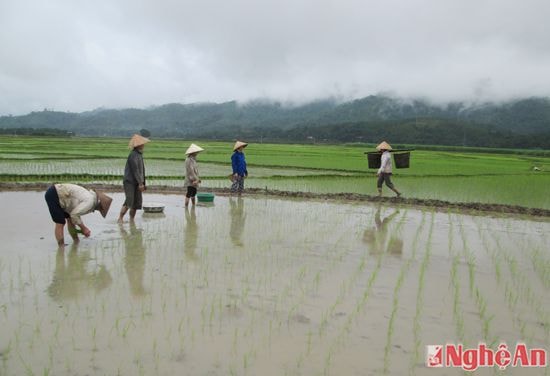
[266,286]
[155,167]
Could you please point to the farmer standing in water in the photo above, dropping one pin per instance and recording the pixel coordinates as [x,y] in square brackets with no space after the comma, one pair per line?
[134,177]
[385,171]
[238,163]
[192,179]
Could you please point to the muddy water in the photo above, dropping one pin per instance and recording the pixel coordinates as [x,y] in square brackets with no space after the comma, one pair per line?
[265,286]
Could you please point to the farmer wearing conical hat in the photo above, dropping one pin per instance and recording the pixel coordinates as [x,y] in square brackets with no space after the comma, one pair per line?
[238,162]
[385,171]
[192,179]
[68,202]
[134,177]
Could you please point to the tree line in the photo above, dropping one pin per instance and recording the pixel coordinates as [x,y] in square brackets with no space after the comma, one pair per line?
[516,124]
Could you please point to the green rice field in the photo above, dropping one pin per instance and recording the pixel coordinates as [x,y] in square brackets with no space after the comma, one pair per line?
[265,284]
[454,176]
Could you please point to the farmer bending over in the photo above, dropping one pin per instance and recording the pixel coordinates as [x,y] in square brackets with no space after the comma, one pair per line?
[67,202]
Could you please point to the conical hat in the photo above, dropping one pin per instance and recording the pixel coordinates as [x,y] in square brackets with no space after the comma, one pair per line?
[238,144]
[137,140]
[193,149]
[383,146]
[104,203]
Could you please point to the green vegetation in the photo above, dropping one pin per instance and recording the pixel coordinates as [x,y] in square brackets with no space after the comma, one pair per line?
[51,132]
[460,175]
[516,124]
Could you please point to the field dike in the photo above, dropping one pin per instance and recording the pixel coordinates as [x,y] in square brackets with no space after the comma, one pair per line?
[440,205]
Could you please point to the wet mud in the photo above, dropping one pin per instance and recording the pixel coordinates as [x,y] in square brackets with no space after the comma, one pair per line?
[440,205]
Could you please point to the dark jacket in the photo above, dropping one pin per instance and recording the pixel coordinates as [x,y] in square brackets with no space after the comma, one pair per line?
[239,164]
[134,172]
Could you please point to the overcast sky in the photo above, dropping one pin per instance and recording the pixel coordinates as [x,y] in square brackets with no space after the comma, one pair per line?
[72,55]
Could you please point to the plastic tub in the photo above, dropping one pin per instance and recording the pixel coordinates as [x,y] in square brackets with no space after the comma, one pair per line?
[205,197]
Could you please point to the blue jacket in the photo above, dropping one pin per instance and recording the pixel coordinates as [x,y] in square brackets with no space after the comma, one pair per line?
[239,164]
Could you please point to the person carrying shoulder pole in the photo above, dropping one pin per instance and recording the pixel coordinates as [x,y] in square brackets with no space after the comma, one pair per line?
[385,171]
[134,177]
[68,202]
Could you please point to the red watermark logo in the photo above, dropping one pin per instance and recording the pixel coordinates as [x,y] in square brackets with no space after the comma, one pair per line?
[451,355]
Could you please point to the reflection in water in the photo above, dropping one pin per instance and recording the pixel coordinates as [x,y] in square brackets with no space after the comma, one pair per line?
[134,260]
[238,218]
[377,238]
[71,277]
[153,215]
[191,232]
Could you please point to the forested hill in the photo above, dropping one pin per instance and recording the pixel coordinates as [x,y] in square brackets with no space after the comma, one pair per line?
[367,120]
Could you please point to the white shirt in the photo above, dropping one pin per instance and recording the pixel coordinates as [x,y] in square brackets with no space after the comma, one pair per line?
[191,171]
[76,200]
[385,164]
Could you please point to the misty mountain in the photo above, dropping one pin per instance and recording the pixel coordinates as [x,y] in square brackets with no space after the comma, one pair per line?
[407,121]
[524,116]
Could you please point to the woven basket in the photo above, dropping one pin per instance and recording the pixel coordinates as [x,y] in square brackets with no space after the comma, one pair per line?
[402,160]
[375,159]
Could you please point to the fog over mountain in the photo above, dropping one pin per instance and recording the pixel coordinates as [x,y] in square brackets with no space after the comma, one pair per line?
[76,56]
[519,124]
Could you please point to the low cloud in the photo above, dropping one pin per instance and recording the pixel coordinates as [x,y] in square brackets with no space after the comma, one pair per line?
[74,56]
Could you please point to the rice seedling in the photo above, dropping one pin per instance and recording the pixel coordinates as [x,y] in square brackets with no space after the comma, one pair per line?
[541,266]
[420,290]
[5,354]
[27,366]
[457,312]
[516,288]
[389,332]
[298,298]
